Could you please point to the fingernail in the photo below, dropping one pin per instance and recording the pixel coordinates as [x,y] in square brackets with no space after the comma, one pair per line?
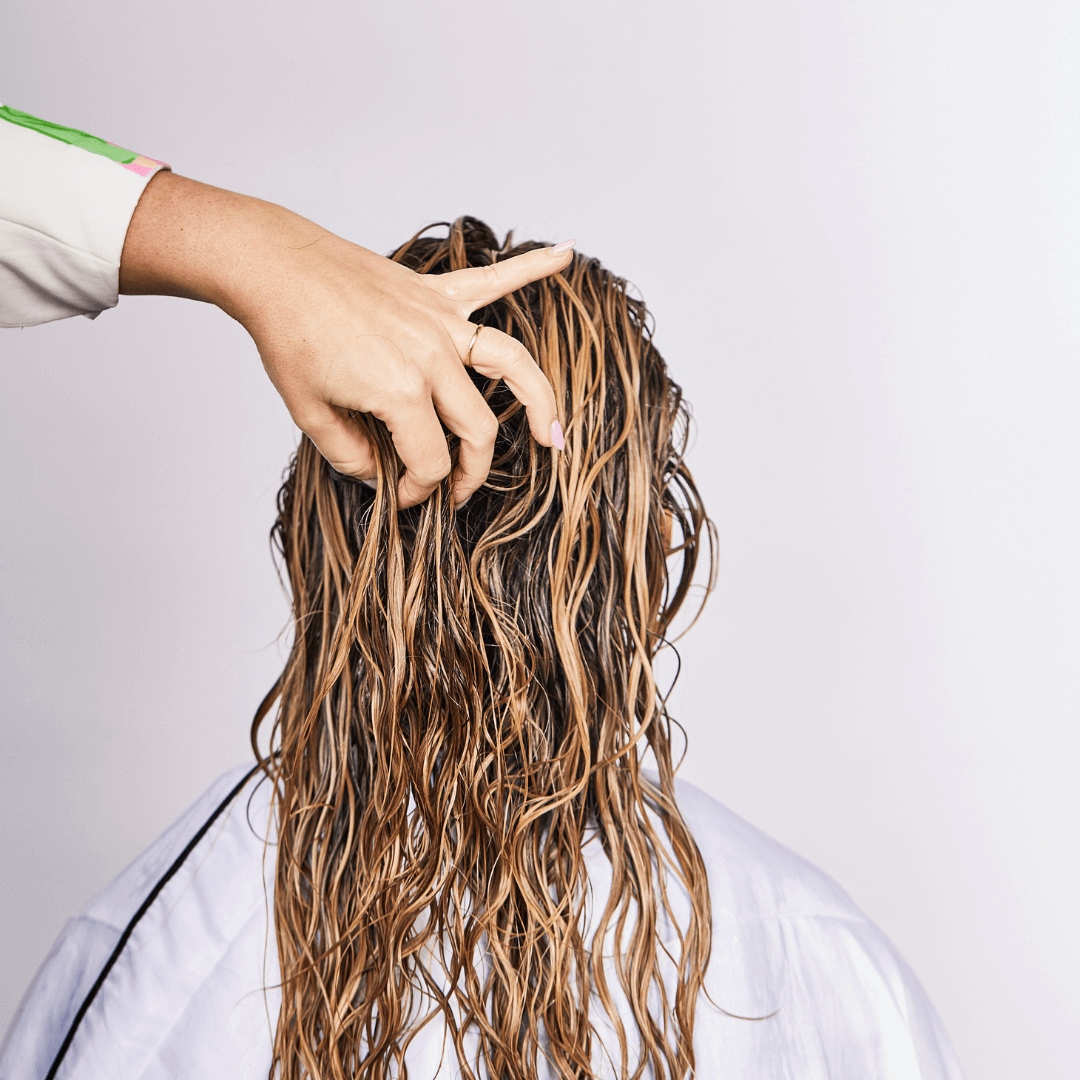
[562,248]
[557,436]
[459,505]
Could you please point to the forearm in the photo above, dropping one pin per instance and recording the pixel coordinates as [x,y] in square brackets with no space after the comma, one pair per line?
[193,240]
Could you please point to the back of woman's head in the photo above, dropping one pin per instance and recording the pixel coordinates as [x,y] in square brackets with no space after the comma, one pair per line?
[467,693]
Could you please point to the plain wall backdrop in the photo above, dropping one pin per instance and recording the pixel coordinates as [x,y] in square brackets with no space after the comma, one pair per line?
[857,226]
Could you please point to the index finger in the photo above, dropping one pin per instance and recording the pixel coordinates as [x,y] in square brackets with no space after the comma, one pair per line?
[478,286]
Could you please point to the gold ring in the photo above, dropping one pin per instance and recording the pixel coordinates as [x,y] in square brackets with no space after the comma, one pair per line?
[468,355]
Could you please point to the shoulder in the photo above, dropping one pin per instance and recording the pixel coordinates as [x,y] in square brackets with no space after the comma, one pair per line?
[797,971]
[751,875]
[232,812]
[178,941]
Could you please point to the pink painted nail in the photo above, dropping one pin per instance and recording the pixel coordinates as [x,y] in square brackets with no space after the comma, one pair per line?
[557,436]
[561,249]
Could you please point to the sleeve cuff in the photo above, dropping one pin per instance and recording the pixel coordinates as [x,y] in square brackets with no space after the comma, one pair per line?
[66,200]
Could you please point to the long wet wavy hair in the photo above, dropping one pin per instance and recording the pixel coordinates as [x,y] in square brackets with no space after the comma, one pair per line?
[468,700]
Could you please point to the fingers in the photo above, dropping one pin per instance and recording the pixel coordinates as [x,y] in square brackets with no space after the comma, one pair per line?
[480,285]
[465,412]
[418,438]
[499,356]
[418,434]
[415,426]
[339,440]
[462,408]
[420,443]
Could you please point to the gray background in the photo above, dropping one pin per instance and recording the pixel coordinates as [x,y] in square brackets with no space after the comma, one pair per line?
[857,226]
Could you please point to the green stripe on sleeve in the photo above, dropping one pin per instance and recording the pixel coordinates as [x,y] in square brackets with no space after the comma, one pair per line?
[71,136]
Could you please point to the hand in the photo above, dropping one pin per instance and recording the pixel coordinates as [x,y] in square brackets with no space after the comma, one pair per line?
[340,328]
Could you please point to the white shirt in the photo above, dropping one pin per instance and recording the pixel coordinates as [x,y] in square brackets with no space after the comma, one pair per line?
[191,992]
[64,213]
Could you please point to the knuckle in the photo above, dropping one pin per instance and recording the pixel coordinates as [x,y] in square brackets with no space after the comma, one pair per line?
[484,431]
[350,466]
[437,469]
[311,423]
[317,424]
[395,373]
[428,354]
[410,386]
[446,284]
[489,427]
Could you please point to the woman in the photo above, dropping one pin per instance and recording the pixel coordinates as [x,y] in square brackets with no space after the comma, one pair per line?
[468,854]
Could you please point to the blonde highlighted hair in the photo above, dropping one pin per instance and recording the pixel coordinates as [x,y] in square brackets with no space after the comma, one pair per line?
[467,694]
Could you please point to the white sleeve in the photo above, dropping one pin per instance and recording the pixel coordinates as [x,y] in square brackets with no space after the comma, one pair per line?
[64,213]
